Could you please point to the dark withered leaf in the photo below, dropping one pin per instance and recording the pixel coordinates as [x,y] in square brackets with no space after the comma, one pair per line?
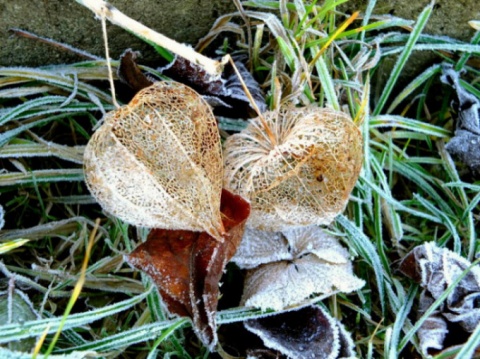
[187,266]
[130,73]
[465,144]
[309,332]
[435,269]
[226,93]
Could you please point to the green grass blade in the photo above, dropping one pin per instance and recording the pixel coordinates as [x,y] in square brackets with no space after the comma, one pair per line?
[41,176]
[326,81]
[414,85]
[32,149]
[465,56]
[473,342]
[405,54]
[365,248]
[409,124]
[11,332]
[131,336]
[8,354]
[11,245]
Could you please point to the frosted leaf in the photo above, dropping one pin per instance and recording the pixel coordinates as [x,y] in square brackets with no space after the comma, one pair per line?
[302,174]
[302,262]
[16,308]
[433,331]
[465,144]
[224,93]
[157,161]
[303,334]
[259,247]
[436,269]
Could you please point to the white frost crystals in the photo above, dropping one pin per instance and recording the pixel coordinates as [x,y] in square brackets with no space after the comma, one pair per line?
[287,267]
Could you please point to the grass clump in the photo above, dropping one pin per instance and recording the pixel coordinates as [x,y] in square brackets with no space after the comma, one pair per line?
[410,191]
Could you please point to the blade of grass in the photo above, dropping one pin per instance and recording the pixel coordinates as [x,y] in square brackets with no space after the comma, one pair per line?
[473,342]
[41,176]
[405,54]
[13,332]
[77,289]
[414,85]
[368,252]
[11,245]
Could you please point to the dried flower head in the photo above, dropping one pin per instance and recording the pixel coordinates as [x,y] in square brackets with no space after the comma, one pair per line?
[292,265]
[297,166]
[157,161]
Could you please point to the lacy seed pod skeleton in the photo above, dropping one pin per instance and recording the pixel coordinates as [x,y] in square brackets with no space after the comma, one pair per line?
[297,166]
[157,161]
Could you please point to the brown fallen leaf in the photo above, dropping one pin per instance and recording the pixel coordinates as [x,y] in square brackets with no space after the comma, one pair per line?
[435,269]
[130,73]
[187,266]
[309,332]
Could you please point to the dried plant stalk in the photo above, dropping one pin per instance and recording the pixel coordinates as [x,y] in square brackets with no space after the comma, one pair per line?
[104,9]
[301,175]
[157,161]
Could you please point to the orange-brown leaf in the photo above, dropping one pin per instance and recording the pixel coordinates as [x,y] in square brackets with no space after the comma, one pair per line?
[187,266]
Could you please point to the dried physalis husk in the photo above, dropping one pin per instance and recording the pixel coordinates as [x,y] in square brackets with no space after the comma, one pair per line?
[157,161]
[297,166]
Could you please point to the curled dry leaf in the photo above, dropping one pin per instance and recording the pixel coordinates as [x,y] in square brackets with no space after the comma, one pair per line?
[465,144]
[129,72]
[436,269]
[224,93]
[157,161]
[187,266]
[293,265]
[306,333]
[297,167]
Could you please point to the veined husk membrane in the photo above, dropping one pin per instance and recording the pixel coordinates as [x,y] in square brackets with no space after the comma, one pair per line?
[297,166]
[157,161]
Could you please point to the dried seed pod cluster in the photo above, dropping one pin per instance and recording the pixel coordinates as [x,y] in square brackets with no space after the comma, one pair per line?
[157,161]
[297,166]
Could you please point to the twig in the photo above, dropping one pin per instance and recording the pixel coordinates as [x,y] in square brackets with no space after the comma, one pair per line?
[109,65]
[58,45]
[115,16]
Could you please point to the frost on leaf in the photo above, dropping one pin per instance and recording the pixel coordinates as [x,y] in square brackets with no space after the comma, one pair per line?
[290,266]
[309,332]
[16,308]
[157,161]
[225,93]
[465,144]
[187,266]
[297,168]
[436,269]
